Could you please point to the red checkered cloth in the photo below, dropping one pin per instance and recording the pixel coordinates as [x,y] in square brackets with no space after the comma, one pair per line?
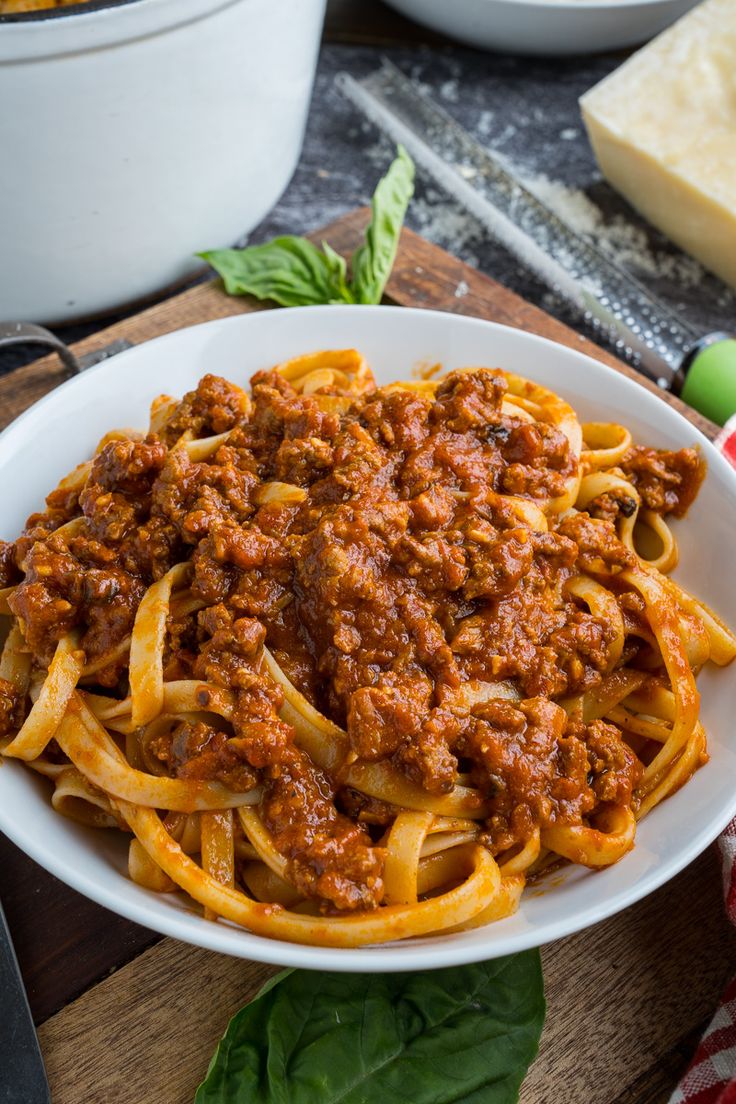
[711,1076]
[726,440]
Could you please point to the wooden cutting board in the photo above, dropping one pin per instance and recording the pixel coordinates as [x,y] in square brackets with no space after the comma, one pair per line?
[128,1017]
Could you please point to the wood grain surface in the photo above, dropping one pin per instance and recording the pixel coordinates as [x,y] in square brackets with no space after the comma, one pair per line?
[423,276]
[64,942]
[627,999]
[618,999]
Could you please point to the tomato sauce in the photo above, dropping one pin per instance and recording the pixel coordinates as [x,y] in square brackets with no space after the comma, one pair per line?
[403,574]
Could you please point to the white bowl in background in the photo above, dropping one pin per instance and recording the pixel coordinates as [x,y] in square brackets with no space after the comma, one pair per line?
[136,133]
[546,27]
[117,392]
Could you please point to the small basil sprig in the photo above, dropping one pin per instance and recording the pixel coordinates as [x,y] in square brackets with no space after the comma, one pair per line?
[295,273]
[463,1035]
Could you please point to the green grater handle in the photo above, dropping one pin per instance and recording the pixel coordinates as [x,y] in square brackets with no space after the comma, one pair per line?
[710,378]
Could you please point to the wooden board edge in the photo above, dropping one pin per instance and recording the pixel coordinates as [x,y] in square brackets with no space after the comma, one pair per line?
[598,1050]
[424,275]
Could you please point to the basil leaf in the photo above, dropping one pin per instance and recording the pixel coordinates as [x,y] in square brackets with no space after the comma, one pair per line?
[463,1035]
[338,268]
[289,270]
[294,273]
[373,261]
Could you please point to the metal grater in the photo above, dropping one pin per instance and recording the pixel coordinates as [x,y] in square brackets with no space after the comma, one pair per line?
[617,306]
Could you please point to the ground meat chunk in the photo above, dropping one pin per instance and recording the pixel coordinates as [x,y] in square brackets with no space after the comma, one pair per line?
[667,481]
[227,657]
[214,407]
[433,509]
[65,588]
[550,648]
[554,554]
[199,751]
[536,482]
[582,648]
[518,747]
[62,505]
[302,460]
[469,400]
[117,494]
[614,768]
[608,506]
[530,443]
[50,598]
[126,467]
[397,419]
[9,571]
[498,566]
[11,708]
[150,549]
[383,717]
[546,769]
[111,599]
[246,548]
[599,548]
[537,459]
[329,856]
[195,497]
[367,810]
[435,562]
[428,759]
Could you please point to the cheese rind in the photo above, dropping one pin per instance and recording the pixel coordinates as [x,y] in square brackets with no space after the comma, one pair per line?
[663,130]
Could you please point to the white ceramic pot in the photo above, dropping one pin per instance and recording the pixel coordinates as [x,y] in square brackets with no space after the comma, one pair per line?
[133,134]
[547,26]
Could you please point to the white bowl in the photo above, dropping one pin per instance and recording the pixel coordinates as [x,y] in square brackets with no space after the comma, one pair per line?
[71,419]
[546,26]
[134,134]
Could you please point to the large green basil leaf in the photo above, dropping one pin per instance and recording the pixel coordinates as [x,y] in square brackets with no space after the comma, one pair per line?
[463,1035]
[372,263]
[293,272]
[289,270]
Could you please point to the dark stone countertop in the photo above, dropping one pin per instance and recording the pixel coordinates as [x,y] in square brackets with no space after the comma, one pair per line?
[524,109]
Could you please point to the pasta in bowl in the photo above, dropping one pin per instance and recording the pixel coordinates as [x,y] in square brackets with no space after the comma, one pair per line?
[15,7]
[348,663]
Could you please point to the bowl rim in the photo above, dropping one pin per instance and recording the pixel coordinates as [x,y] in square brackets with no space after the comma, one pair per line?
[90,7]
[428,952]
[570,6]
[43,15]
[81,29]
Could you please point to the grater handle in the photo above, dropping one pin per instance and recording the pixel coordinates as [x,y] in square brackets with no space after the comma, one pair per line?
[709,377]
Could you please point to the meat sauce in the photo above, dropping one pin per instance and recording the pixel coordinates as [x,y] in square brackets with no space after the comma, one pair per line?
[12,7]
[667,482]
[403,576]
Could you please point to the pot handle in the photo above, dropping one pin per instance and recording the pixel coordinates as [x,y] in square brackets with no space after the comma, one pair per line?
[27,333]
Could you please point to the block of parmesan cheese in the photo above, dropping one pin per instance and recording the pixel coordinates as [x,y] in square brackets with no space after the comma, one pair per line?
[663,129]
